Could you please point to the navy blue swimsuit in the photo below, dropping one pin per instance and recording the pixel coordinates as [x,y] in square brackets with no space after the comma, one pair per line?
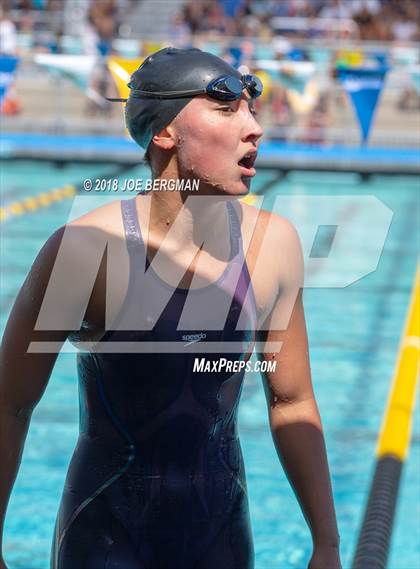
[157,478]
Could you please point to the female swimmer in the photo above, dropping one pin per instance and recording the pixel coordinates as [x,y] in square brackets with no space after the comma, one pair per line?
[157,477]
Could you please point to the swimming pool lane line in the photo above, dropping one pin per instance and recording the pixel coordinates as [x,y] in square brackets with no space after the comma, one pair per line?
[393,445]
[33,203]
[396,430]
[45,199]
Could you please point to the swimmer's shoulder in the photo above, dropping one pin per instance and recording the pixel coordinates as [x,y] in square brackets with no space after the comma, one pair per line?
[71,253]
[95,229]
[105,218]
[80,241]
[273,250]
[94,254]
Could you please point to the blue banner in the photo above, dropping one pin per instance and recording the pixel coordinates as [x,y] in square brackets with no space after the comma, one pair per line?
[8,65]
[236,55]
[230,7]
[364,87]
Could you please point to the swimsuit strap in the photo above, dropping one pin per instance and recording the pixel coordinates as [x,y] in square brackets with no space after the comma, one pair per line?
[234,232]
[244,285]
[131,225]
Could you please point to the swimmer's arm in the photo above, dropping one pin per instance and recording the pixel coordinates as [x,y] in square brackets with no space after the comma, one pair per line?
[293,413]
[24,376]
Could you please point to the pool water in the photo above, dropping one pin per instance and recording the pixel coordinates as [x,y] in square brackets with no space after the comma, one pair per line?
[353,332]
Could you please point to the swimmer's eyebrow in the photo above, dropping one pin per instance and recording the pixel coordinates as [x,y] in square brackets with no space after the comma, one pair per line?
[218,102]
[249,100]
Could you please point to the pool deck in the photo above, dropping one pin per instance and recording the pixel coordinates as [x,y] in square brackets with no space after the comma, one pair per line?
[272,154]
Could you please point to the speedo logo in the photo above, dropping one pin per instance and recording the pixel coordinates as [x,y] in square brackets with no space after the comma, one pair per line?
[193,338]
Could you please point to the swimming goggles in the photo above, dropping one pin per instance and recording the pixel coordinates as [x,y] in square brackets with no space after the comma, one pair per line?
[224,88]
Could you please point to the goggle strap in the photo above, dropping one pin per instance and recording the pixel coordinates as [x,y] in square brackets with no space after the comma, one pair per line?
[138,93]
[247,81]
[112,100]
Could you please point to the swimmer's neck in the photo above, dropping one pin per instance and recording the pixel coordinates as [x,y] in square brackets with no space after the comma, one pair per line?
[198,216]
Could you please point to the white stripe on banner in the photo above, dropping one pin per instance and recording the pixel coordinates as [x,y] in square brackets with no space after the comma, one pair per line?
[359,84]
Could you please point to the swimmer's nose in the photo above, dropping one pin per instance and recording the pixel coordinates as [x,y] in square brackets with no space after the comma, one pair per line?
[252,130]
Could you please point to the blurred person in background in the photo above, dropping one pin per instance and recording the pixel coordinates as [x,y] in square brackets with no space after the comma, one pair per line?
[8,47]
[180,32]
[317,122]
[100,29]
[339,9]
[193,15]
[281,113]
[8,35]
[365,14]
[405,27]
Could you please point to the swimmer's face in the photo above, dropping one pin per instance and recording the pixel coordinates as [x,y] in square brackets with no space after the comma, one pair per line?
[212,139]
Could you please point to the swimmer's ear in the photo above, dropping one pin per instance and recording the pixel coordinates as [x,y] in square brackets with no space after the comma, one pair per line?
[165,138]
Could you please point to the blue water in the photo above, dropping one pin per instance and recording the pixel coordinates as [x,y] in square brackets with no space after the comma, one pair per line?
[353,333]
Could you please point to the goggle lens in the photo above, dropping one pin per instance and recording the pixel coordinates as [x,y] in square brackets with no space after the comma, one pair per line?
[225,88]
[230,88]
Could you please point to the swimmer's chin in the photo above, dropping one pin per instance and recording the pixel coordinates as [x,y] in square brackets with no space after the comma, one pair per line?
[238,188]
[246,184]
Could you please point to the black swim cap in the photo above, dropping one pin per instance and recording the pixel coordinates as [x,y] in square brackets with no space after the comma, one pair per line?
[169,69]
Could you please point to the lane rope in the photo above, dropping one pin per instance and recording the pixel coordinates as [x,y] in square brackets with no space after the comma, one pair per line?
[393,445]
[33,203]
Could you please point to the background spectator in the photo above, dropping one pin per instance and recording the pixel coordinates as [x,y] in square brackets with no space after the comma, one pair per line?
[8,46]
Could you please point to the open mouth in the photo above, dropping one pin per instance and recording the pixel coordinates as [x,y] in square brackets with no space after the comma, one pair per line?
[246,164]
